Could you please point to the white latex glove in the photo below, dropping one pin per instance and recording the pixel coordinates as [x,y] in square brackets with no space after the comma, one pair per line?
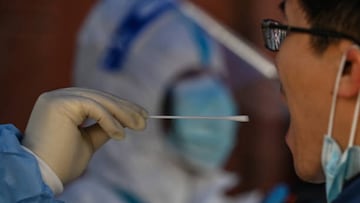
[55,132]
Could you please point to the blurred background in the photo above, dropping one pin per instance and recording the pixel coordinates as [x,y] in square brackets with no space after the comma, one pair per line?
[38,44]
[38,41]
[38,50]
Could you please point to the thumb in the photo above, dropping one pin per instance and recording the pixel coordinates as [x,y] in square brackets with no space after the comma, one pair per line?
[97,137]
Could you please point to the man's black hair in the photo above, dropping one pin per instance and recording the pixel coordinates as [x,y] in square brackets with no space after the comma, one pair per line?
[337,15]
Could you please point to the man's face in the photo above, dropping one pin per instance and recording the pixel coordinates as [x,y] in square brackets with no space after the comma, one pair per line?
[307,82]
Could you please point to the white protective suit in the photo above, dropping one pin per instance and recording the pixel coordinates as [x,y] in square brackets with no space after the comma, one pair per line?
[142,168]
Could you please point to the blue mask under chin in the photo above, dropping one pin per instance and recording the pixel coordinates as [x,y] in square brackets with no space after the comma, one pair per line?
[205,143]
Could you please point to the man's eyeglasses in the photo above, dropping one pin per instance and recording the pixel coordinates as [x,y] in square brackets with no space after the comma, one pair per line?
[274,33]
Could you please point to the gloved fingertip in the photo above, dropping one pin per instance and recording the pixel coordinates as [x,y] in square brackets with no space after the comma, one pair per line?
[143,125]
[140,122]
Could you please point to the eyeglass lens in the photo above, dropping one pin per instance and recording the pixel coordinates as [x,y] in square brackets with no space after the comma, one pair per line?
[273,35]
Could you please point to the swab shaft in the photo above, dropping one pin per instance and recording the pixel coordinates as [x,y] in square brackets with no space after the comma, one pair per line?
[231,118]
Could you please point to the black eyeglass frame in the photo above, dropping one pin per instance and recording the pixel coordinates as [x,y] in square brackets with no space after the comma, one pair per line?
[268,24]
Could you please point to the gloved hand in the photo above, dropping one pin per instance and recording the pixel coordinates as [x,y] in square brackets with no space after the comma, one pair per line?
[56,134]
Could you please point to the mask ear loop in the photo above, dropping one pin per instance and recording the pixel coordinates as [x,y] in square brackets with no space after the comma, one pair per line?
[334,98]
[333,106]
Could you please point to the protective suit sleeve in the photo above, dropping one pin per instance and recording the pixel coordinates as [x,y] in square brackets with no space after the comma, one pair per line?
[48,175]
[20,176]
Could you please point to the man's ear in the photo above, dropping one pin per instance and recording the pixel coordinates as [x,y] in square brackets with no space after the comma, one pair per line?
[350,80]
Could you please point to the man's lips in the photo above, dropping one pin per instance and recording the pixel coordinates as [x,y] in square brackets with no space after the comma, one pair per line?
[287,141]
[282,92]
[288,136]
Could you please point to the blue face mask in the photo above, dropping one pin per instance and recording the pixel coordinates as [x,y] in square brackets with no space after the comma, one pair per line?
[204,143]
[339,167]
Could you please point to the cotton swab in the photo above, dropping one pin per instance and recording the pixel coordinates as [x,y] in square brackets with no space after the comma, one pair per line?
[241,118]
